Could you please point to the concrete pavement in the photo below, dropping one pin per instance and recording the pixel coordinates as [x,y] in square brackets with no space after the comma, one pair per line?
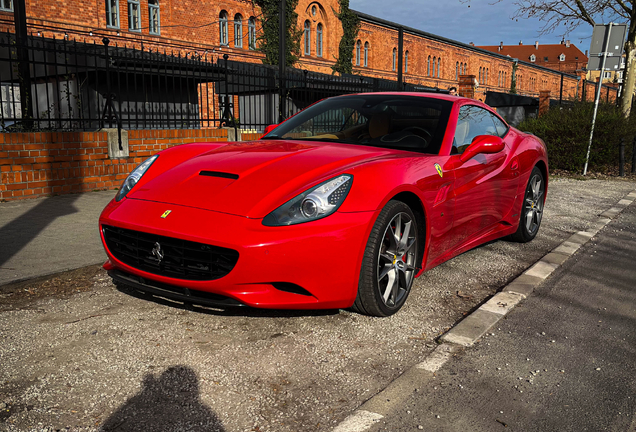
[564,359]
[49,235]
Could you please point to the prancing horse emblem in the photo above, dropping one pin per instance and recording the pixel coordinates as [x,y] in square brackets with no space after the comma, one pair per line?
[157,252]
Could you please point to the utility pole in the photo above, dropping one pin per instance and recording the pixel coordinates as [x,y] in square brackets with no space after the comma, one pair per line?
[282,57]
[598,95]
[24,73]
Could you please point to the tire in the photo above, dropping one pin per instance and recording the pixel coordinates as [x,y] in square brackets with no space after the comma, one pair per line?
[389,263]
[531,209]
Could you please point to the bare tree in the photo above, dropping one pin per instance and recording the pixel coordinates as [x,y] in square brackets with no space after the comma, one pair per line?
[567,15]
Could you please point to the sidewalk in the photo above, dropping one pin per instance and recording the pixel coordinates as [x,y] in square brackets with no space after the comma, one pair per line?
[564,359]
[49,235]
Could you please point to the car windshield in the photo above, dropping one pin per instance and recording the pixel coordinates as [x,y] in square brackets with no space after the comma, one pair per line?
[413,123]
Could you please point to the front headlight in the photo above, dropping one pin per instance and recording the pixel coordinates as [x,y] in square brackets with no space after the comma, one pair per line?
[134,177]
[316,203]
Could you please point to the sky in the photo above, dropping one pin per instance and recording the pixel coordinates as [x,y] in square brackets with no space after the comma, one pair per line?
[483,23]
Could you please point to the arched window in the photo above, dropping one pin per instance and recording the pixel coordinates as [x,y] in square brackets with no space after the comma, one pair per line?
[319,40]
[251,33]
[406,62]
[358,46]
[223,40]
[439,66]
[394,58]
[465,68]
[238,31]
[307,38]
[486,77]
[428,66]
[479,78]
[153,17]
[434,66]
[366,54]
[456,71]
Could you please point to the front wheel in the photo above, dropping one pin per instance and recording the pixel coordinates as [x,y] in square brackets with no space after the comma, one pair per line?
[532,208]
[389,262]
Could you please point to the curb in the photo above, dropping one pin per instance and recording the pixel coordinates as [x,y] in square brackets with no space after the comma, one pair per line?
[474,326]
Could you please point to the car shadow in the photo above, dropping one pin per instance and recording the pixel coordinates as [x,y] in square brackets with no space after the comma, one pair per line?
[245,311]
[168,402]
[18,233]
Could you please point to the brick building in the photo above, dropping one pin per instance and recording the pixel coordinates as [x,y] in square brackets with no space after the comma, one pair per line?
[563,57]
[232,26]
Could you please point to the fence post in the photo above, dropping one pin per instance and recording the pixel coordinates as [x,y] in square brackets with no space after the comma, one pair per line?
[400,58]
[467,86]
[282,58]
[24,69]
[634,156]
[621,158]
[544,102]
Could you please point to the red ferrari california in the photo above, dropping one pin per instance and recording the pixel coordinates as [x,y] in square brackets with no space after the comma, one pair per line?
[340,206]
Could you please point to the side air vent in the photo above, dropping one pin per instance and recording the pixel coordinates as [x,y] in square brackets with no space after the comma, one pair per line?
[219,174]
[291,288]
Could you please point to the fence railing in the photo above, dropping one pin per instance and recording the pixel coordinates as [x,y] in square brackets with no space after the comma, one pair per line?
[74,85]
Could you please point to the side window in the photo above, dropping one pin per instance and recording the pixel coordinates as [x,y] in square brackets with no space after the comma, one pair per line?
[471,122]
[501,127]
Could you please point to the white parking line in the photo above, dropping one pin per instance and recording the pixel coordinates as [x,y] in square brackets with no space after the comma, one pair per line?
[359,421]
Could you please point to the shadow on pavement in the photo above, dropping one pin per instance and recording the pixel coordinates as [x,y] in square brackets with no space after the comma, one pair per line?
[166,403]
[23,229]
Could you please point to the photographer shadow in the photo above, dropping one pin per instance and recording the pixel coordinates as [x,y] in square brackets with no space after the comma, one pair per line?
[169,402]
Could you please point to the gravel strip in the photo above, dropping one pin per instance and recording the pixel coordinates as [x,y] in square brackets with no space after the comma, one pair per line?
[109,360]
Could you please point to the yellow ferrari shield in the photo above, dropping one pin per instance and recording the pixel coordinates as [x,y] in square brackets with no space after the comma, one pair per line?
[165,214]
[439,170]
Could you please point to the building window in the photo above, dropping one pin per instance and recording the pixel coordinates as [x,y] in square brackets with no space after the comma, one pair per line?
[406,62]
[486,77]
[394,58]
[479,78]
[358,46]
[307,38]
[428,66]
[366,54]
[319,40]
[456,71]
[562,57]
[134,18]
[533,58]
[238,31]
[434,65]
[7,5]
[223,39]
[545,59]
[251,33]
[607,74]
[439,65]
[112,13]
[153,17]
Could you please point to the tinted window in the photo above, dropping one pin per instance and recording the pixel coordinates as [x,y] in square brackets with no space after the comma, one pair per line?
[392,121]
[471,122]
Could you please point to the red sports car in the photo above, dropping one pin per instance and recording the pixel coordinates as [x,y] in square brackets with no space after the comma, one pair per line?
[340,206]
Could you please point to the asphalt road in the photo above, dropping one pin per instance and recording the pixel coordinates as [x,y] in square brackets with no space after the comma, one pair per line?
[564,360]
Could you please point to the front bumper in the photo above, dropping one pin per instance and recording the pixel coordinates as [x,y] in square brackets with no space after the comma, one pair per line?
[314,265]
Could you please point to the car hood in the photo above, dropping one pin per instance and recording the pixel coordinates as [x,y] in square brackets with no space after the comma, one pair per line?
[249,179]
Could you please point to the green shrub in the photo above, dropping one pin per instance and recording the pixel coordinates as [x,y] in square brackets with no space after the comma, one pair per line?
[566,132]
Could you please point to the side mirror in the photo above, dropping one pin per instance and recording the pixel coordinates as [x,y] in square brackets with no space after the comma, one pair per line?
[483,144]
[268,129]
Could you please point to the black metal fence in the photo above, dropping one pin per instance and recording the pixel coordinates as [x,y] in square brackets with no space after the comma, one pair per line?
[57,84]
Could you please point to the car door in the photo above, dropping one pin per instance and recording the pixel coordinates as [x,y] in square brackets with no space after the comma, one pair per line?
[481,189]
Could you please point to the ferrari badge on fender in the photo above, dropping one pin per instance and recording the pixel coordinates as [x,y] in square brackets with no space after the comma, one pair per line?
[165,214]
[439,170]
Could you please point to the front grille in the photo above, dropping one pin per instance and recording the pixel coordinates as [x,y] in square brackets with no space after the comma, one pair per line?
[180,259]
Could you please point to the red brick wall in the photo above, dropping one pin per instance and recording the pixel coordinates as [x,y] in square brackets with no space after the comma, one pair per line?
[45,163]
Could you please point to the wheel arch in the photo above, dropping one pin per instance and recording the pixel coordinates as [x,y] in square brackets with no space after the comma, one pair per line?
[417,207]
[544,170]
